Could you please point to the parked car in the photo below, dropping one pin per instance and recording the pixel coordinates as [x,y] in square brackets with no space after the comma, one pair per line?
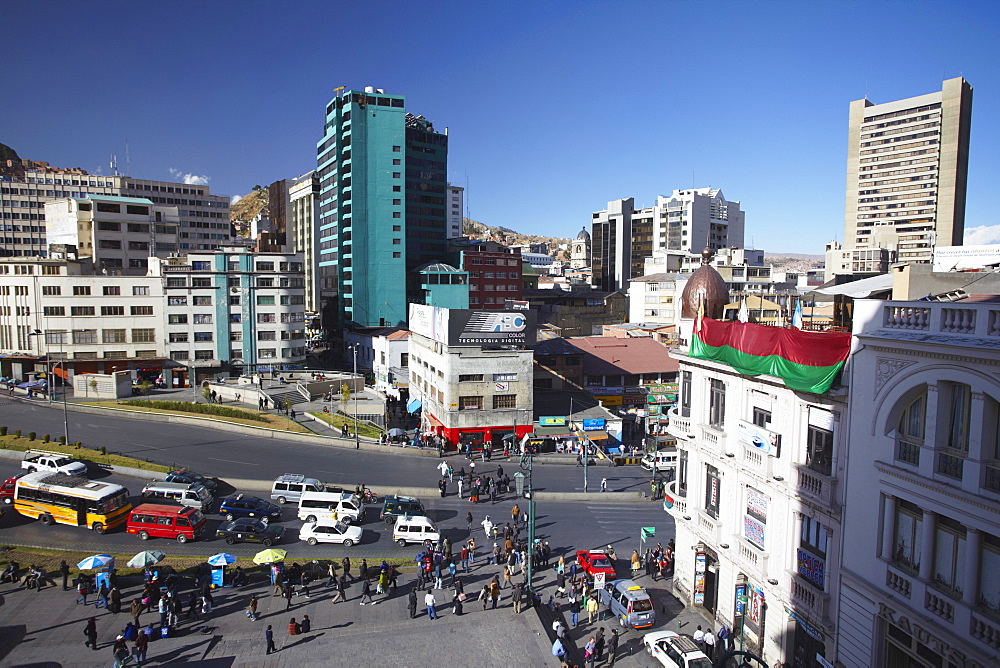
[289,487]
[394,507]
[241,505]
[249,530]
[595,561]
[330,532]
[675,650]
[629,603]
[343,506]
[196,496]
[414,530]
[188,476]
[56,462]
[150,520]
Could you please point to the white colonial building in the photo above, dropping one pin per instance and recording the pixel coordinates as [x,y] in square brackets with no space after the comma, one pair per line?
[920,579]
[758,502]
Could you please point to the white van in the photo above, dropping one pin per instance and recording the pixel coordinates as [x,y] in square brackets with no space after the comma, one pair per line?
[193,495]
[414,529]
[290,487]
[661,460]
[323,506]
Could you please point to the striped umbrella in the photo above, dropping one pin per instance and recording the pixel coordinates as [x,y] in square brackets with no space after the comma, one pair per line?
[95,561]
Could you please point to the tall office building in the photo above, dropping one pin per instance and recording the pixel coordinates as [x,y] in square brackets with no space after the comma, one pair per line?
[456,210]
[303,212]
[382,207]
[688,220]
[26,187]
[907,164]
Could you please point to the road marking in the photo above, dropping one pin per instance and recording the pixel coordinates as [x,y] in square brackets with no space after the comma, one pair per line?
[233,461]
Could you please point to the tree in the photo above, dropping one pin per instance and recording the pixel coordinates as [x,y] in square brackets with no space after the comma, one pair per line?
[345,394]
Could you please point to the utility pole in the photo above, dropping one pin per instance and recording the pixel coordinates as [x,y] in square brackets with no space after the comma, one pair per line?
[357,439]
[526,464]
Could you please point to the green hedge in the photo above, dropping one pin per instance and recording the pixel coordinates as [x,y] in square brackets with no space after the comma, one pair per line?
[191,407]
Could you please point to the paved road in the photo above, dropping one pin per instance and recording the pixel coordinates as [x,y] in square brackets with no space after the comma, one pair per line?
[566,525]
[214,452]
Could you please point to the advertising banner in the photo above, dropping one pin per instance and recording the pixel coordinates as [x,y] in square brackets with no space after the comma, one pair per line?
[490,328]
[551,421]
[810,567]
[759,439]
[593,424]
[699,578]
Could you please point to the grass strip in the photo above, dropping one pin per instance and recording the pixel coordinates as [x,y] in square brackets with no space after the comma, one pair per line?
[338,421]
[232,415]
[22,443]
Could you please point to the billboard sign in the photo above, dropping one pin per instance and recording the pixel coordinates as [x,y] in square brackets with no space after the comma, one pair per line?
[464,327]
[594,424]
[956,258]
[759,439]
[551,421]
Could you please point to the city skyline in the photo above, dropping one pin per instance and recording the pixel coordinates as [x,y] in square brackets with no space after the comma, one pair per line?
[546,124]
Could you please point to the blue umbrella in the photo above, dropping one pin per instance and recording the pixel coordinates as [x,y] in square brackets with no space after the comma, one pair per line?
[221,559]
[95,561]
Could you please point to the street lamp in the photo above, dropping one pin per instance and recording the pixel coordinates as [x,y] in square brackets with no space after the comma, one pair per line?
[62,342]
[522,483]
[357,439]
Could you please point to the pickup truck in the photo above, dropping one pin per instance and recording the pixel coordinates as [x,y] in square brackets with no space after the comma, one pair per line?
[39,460]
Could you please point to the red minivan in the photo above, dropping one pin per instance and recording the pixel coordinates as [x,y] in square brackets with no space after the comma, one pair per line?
[150,520]
[7,490]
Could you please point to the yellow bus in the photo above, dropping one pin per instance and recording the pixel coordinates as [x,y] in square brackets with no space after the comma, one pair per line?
[74,500]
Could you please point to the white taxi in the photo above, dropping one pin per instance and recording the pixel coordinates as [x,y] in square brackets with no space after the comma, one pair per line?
[330,532]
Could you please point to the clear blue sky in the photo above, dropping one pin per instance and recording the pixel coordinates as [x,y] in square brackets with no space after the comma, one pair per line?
[554,108]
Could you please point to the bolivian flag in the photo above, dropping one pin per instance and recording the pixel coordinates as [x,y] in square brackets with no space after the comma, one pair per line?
[806,361]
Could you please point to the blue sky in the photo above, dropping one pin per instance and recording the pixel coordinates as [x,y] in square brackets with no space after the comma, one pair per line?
[554,108]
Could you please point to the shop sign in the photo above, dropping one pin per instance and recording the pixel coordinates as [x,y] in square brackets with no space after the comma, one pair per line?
[741,601]
[609,400]
[756,611]
[699,578]
[810,567]
[757,438]
[596,424]
[597,389]
[500,386]
[551,422]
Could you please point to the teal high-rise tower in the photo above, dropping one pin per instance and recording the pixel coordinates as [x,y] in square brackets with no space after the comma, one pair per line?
[382,178]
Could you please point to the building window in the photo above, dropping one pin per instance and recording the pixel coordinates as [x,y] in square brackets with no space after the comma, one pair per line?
[819,450]
[203,354]
[470,377]
[959,407]
[504,401]
[989,574]
[235,336]
[81,290]
[53,310]
[265,300]
[909,524]
[712,491]
[179,355]
[177,319]
[202,318]
[202,336]
[404,360]
[51,290]
[761,417]
[178,337]
[470,403]
[266,336]
[717,403]
[573,360]
[112,310]
[113,336]
[112,290]
[142,310]
[143,336]
[685,407]
[177,301]
[140,290]
[755,520]
[811,556]
[682,473]
[512,377]
[949,555]
[267,353]
[85,336]
[202,301]
[81,310]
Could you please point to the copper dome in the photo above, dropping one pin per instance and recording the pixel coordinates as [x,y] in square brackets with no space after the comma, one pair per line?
[707,287]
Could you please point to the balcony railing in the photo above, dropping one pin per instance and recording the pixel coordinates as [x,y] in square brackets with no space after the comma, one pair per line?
[950,463]
[907,317]
[908,450]
[819,487]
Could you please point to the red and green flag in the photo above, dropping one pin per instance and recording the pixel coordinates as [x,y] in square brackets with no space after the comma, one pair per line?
[806,361]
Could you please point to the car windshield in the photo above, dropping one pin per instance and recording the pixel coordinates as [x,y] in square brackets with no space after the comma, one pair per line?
[320,487]
[260,504]
[251,525]
[62,461]
[642,605]
[340,527]
[196,517]
[699,663]
[600,562]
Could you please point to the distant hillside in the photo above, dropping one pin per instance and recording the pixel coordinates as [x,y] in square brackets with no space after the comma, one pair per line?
[507,236]
[245,210]
[794,261]
[7,153]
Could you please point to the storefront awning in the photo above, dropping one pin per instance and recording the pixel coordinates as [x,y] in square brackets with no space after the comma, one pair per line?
[413,406]
[558,431]
[433,420]
[596,435]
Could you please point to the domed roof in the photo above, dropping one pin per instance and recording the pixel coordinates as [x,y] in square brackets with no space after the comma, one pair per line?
[584,235]
[437,268]
[707,287]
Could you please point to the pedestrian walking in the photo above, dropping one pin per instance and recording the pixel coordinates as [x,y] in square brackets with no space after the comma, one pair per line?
[331,572]
[468,521]
[458,603]
[102,597]
[517,596]
[91,632]
[64,571]
[600,642]
[140,648]
[115,597]
[135,609]
[411,602]
[494,594]
[699,637]
[366,590]
[269,639]
[119,650]
[193,605]
[430,603]
[288,592]
[604,484]
[464,555]
[252,608]
[345,563]
[612,647]
[589,652]
[709,641]
[443,487]
[341,594]
[591,607]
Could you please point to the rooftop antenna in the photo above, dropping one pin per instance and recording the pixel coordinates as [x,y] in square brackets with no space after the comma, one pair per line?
[866,89]
[128,160]
[114,164]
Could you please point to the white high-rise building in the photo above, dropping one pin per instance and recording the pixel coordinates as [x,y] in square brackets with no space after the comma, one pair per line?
[303,230]
[455,210]
[907,166]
